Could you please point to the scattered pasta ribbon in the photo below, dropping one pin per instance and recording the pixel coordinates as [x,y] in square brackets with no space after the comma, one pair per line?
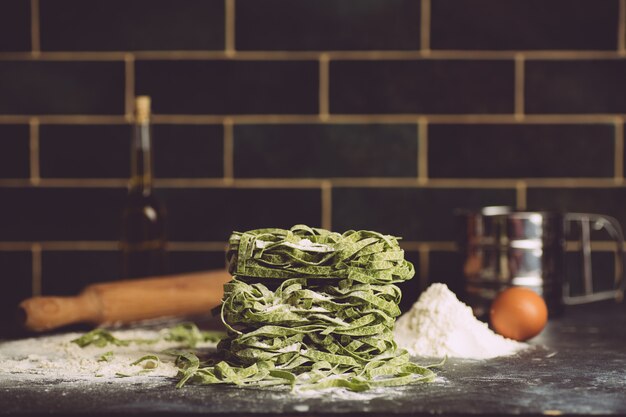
[310,309]
[187,335]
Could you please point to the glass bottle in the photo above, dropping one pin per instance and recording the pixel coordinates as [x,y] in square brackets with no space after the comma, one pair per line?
[143,242]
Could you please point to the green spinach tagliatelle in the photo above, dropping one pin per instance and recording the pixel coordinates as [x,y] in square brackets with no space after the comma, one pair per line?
[310,309]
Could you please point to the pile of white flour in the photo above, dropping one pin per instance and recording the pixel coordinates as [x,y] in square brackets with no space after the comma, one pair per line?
[439,325]
[56,357]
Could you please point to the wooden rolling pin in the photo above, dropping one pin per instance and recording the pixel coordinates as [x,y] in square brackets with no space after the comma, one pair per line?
[128,301]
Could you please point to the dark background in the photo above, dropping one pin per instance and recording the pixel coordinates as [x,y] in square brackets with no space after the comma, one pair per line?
[375,114]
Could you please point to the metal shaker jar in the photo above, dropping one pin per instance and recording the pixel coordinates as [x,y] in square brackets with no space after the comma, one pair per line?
[502,247]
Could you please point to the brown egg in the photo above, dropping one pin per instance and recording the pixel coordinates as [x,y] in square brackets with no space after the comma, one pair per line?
[518,313]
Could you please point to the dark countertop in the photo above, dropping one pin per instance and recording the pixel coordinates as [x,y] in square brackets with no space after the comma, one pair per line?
[577,366]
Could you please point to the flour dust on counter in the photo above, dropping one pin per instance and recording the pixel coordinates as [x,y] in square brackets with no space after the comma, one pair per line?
[65,358]
[439,325]
[59,357]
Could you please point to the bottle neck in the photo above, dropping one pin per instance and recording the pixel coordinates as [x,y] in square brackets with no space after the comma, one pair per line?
[141,159]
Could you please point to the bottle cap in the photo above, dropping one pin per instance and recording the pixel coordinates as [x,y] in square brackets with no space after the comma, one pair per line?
[142,109]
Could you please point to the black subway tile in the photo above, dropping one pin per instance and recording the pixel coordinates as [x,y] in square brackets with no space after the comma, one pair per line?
[87,267]
[325,150]
[200,214]
[520,150]
[191,261]
[422,214]
[327,25]
[16,280]
[61,87]
[103,151]
[609,201]
[524,24]
[119,25]
[229,87]
[447,267]
[575,86]
[15,26]
[188,151]
[421,86]
[14,151]
[84,151]
[31,214]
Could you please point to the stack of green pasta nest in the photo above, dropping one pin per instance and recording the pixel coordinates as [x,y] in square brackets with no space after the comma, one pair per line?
[311,309]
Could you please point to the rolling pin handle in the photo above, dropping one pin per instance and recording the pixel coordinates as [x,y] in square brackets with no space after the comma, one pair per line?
[46,313]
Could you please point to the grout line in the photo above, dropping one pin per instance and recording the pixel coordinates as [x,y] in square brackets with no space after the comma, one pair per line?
[64,119]
[621,28]
[67,182]
[413,246]
[35,29]
[430,245]
[93,245]
[33,133]
[422,151]
[369,182]
[425,20]
[324,87]
[16,246]
[521,195]
[391,118]
[424,257]
[63,56]
[36,282]
[471,55]
[229,151]
[104,246]
[473,182]
[80,245]
[327,205]
[314,118]
[230,54]
[519,87]
[313,55]
[15,183]
[243,119]
[229,28]
[197,246]
[619,151]
[129,86]
[388,118]
[238,183]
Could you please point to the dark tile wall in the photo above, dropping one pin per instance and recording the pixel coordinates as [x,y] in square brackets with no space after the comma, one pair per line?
[377,114]
[229,87]
[524,25]
[323,25]
[15,26]
[523,150]
[140,25]
[576,86]
[31,87]
[325,150]
[14,151]
[416,214]
[430,86]
[211,214]
[79,151]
